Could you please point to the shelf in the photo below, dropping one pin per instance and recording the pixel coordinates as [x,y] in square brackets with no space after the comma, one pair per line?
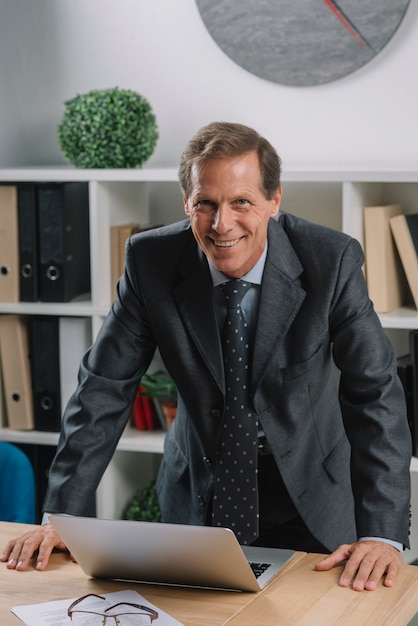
[132,440]
[65,309]
[170,174]
[400,318]
[334,176]
[142,441]
[29,436]
[72,174]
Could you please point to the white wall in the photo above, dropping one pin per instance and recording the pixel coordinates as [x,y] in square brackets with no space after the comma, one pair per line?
[50,50]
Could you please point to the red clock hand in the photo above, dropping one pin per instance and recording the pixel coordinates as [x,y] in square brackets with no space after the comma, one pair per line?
[345,21]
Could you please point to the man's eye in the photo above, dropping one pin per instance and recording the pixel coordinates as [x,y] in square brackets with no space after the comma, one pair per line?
[241,203]
[204,206]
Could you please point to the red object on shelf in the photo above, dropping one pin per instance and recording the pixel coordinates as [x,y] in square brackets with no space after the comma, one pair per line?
[144,413]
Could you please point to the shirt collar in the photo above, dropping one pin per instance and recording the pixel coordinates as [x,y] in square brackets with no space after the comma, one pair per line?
[253,276]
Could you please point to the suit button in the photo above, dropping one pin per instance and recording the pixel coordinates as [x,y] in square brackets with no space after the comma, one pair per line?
[206,460]
[216,413]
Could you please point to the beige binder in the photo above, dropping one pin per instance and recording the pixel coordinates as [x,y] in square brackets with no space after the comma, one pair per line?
[16,374]
[118,237]
[9,245]
[385,278]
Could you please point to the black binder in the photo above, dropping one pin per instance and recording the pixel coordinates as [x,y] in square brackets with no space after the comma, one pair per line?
[28,242]
[45,364]
[64,250]
[406,374]
[413,345]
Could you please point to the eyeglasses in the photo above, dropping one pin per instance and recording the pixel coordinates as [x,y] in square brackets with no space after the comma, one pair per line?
[135,615]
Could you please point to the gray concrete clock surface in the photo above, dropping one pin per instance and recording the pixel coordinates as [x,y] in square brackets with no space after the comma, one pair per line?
[303,43]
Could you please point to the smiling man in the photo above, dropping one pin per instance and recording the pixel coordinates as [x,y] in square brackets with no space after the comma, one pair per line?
[229,212]
[295,438]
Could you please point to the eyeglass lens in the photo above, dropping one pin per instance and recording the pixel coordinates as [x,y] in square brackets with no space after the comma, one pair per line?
[81,618]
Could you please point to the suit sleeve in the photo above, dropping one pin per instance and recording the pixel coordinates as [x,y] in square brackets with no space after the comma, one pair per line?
[99,409]
[373,407]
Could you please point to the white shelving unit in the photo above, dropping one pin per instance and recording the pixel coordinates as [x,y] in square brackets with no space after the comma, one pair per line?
[115,197]
[333,198]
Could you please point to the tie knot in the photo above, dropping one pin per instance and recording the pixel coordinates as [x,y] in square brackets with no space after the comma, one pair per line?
[234,291]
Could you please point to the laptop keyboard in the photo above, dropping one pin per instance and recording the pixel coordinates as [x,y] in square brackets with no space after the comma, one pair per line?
[259,568]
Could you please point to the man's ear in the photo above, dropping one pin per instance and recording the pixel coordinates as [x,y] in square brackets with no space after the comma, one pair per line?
[275,202]
[186,207]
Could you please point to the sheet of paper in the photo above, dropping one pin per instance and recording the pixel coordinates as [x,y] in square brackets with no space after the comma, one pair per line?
[55,613]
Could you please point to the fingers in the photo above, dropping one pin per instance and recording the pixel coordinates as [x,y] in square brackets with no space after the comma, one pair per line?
[336,558]
[366,563]
[369,563]
[20,551]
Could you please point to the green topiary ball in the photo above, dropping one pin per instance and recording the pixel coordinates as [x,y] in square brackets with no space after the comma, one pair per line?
[109,128]
[144,506]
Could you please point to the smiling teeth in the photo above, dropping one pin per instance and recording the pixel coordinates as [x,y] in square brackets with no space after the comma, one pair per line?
[226,244]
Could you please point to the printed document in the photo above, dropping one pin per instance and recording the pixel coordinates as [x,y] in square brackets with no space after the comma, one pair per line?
[55,613]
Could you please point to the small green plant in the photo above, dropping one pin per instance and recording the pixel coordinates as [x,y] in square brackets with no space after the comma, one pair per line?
[144,506]
[108,128]
[159,385]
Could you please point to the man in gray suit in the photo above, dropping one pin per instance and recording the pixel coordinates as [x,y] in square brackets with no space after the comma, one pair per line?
[334,444]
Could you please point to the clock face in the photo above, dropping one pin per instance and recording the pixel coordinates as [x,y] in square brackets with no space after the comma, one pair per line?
[302,42]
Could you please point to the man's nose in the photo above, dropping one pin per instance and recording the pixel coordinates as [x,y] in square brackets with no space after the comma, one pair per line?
[223,219]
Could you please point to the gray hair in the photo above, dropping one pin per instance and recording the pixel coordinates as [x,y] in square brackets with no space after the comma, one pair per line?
[225,139]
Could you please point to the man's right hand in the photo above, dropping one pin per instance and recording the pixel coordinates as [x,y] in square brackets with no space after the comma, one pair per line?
[19,552]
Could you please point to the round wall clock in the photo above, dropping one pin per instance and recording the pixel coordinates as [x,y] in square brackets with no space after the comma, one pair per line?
[302,42]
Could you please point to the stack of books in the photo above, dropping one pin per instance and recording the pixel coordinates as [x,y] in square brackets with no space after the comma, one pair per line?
[391,255]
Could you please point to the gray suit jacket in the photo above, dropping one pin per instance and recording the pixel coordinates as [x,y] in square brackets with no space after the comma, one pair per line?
[324,383]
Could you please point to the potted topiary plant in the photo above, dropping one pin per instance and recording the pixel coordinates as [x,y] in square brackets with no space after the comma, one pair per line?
[144,506]
[108,128]
[160,386]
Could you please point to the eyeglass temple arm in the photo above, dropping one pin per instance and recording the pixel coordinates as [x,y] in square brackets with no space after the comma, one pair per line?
[136,606]
[88,595]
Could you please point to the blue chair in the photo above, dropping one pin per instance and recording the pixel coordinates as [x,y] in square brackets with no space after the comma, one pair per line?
[17,485]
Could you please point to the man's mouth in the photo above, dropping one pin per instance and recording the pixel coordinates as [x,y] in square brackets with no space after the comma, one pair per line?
[226,244]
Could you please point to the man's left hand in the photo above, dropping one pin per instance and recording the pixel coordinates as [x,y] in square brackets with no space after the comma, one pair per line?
[366,562]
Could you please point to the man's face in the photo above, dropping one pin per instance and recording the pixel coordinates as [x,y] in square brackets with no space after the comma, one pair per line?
[229,212]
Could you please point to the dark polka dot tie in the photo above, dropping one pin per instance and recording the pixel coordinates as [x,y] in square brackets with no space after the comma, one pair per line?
[235,496]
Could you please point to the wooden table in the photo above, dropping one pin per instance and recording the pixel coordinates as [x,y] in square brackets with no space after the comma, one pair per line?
[298,595]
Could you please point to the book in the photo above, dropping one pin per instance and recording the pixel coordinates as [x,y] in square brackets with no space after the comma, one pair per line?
[119,235]
[384,274]
[118,238]
[405,232]
[16,372]
[9,244]
[144,414]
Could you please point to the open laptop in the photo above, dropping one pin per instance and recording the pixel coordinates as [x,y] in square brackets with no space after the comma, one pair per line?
[177,554]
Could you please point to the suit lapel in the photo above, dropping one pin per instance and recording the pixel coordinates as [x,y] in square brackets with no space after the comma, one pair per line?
[194,300]
[280,299]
